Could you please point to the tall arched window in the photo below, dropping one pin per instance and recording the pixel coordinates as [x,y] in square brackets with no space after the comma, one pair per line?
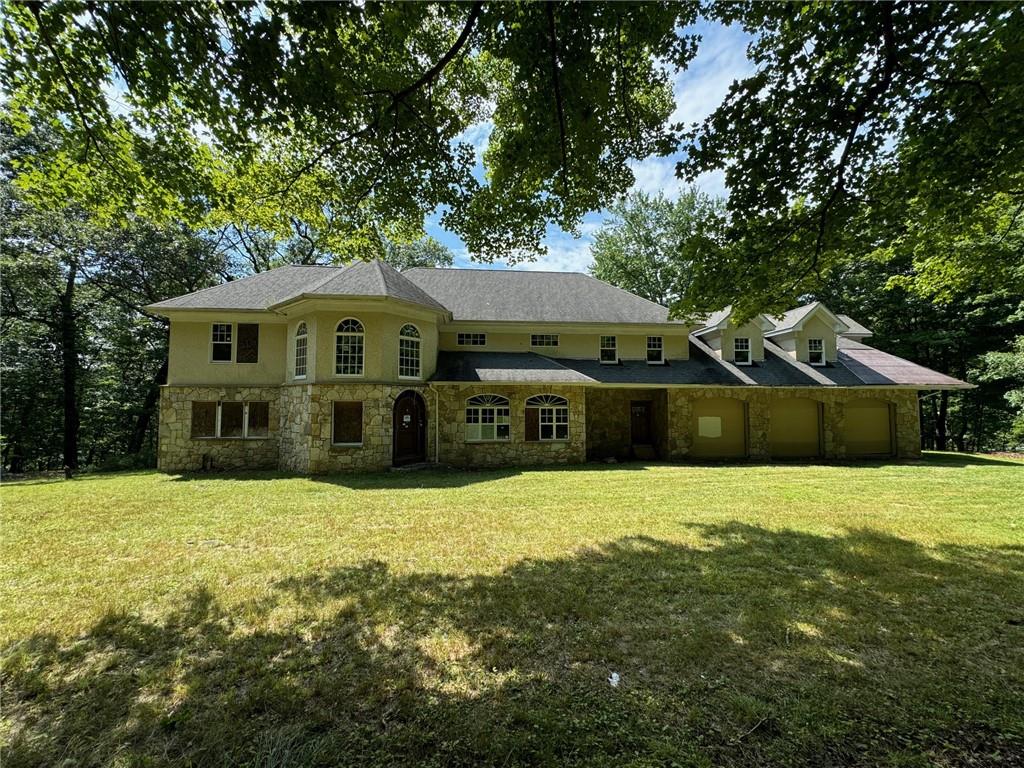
[487,418]
[348,348]
[409,352]
[547,418]
[301,338]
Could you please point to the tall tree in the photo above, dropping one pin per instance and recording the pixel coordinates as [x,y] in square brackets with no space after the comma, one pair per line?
[353,112]
[649,244]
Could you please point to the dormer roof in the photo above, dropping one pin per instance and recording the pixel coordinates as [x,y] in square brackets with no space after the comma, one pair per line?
[857,331]
[795,319]
[719,321]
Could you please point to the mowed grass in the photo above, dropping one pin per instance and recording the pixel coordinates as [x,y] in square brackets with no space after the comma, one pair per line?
[755,615]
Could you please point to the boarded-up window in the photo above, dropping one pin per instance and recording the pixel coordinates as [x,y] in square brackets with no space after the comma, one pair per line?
[204,419]
[532,424]
[259,419]
[348,423]
[231,419]
[248,343]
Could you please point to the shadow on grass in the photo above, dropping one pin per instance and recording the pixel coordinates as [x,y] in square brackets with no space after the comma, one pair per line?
[759,648]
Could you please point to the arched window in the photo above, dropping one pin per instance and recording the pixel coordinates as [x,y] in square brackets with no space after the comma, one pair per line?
[409,352]
[547,418]
[301,338]
[348,348]
[487,418]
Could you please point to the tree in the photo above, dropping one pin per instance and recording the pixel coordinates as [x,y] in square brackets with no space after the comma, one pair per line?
[349,113]
[860,122]
[650,243]
[1007,367]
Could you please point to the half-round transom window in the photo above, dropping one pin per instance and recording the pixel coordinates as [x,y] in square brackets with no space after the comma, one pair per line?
[547,418]
[487,418]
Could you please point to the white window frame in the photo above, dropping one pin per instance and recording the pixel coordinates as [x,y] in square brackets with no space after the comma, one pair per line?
[820,350]
[471,339]
[608,344]
[659,348]
[736,350]
[544,338]
[551,414]
[362,426]
[230,342]
[351,335]
[410,342]
[301,334]
[245,421]
[482,404]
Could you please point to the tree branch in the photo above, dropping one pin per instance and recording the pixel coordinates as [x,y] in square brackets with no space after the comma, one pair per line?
[559,107]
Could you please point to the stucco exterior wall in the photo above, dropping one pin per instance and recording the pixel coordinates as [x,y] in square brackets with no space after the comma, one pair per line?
[905,409]
[573,346]
[189,355]
[178,451]
[455,450]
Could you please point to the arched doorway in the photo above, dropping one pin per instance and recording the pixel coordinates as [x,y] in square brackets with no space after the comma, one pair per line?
[409,429]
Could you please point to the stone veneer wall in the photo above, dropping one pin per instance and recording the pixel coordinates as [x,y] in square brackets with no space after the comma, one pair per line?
[294,427]
[516,451]
[378,412]
[907,416]
[177,451]
[609,427]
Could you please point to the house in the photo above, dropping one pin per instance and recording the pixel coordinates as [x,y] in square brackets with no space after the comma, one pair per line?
[325,369]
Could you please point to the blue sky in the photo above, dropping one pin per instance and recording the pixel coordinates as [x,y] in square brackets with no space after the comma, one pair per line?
[721,58]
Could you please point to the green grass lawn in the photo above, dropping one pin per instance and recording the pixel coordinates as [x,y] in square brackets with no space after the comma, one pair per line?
[756,615]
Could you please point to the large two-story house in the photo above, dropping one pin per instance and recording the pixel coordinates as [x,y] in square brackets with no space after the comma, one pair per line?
[325,369]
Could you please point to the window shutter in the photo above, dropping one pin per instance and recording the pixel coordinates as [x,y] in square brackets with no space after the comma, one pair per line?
[248,343]
[204,419]
[532,424]
[348,422]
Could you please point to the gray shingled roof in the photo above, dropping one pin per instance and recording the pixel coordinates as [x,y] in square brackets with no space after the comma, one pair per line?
[276,286]
[538,297]
[789,320]
[857,331]
[873,366]
[512,367]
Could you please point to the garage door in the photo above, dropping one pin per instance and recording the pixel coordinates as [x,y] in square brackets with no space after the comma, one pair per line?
[868,427]
[719,428]
[795,428]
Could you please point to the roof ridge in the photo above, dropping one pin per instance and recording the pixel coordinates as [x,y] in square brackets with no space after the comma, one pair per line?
[498,271]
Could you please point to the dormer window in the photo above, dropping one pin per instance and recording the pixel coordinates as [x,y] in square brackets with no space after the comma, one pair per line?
[816,351]
[741,350]
[609,354]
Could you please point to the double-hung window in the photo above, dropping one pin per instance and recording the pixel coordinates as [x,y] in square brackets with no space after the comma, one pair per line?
[221,343]
[816,351]
[487,418]
[348,348]
[301,341]
[655,350]
[609,354]
[547,418]
[741,350]
[409,352]
[230,419]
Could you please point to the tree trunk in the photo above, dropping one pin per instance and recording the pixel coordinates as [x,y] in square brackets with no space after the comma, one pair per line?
[69,366]
[138,435]
[941,440]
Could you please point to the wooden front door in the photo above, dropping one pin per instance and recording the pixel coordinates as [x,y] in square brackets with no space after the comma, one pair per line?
[409,429]
[640,432]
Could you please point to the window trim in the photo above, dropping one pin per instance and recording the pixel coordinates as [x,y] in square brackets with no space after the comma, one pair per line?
[822,363]
[362,348]
[534,336]
[550,405]
[748,350]
[602,348]
[418,338]
[362,430]
[461,336]
[230,342]
[660,349]
[304,336]
[245,421]
[494,406]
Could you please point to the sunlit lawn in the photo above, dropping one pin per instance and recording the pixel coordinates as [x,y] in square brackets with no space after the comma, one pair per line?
[755,615]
